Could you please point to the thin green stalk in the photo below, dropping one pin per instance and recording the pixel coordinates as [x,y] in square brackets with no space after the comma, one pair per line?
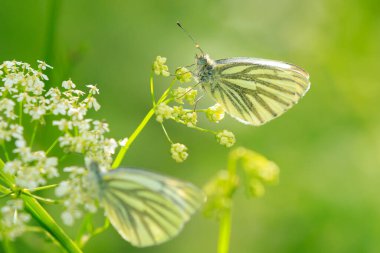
[54,10]
[163,97]
[7,247]
[42,188]
[134,135]
[152,90]
[203,129]
[224,232]
[225,220]
[140,127]
[20,114]
[42,216]
[166,133]
[52,146]
[4,190]
[48,223]
[5,151]
[34,133]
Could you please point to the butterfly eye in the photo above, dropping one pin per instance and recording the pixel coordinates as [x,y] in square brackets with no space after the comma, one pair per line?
[201,61]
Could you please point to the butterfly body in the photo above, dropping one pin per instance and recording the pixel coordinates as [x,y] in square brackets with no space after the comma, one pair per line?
[144,207]
[252,90]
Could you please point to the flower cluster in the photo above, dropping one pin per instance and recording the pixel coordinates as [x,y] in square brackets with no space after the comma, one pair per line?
[183,75]
[75,192]
[225,138]
[159,66]
[189,94]
[219,191]
[164,110]
[179,152]
[257,171]
[24,100]
[215,113]
[13,219]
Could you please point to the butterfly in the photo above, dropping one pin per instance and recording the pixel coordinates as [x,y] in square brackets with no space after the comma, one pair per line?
[254,91]
[145,208]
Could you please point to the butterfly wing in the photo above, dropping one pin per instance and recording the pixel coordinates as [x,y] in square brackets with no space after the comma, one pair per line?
[255,91]
[146,208]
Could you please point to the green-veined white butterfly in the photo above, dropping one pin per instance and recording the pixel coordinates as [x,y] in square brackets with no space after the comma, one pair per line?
[254,91]
[145,208]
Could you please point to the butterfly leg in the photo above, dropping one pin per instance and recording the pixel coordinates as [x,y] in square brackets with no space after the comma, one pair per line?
[198,99]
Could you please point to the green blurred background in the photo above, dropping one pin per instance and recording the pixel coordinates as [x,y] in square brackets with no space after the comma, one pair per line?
[327,146]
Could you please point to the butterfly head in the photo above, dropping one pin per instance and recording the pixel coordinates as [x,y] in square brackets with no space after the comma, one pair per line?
[205,67]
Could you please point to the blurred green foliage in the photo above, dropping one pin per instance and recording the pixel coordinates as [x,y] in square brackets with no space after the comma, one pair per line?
[327,146]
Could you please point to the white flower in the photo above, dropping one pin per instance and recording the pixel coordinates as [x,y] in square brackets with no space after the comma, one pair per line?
[183,75]
[76,193]
[109,146]
[122,142]
[13,219]
[163,111]
[12,167]
[179,152]
[77,113]
[101,127]
[36,111]
[215,113]
[189,94]
[68,84]
[11,79]
[63,124]
[93,89]
[159,66]
[43,65]
[226,138]
[92,103]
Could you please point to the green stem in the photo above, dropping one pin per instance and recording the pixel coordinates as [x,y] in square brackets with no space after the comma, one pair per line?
[48,223]
[134,135]
[20,114]
[225,220]
[166,93]
[224,232]
[5,151]
[202,129]
[52,146]
[34,133]
[166,133]
[42,216]
[7,245]
[140,127]
[54,9]
[152,89]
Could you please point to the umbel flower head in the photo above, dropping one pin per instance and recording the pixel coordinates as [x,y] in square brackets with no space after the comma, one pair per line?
[24,101]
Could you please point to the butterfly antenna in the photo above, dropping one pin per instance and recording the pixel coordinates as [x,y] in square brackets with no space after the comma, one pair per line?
[191,37]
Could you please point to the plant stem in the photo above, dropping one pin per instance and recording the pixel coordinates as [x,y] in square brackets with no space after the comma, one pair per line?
[52,146]
[48,223]
[166,133]
[152,89]
[5,151]
[54,9]
[140,127]
[34,133]
[224,232]
[134,135]
[42,216]
[225,220]
[20,114]
[7,245]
